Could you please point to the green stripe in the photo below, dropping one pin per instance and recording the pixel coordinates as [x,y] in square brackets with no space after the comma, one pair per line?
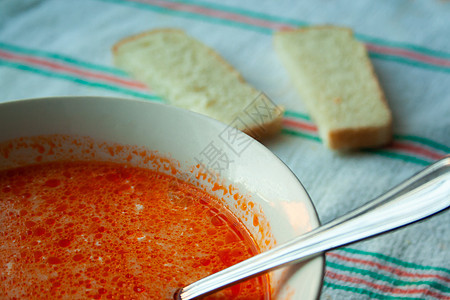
[381,152]
[192,15]
[79,80]
[362,291]
[404,157]
[392,44]
[247,13]
[115,71]
[299,23]
[301,134]
[292,22]
[295,114]
[394,260]
[410,62]
[416,139]
[363,38]
[287,113]
[400,156]
[424,141]
[65,59]
[390,280]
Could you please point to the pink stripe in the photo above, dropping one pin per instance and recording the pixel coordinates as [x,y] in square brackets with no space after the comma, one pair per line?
[384,288]
[404,147]
[62,68]
[281,26]
[415,150]
[408,53]
[389,269]
[217,13]
[300,125]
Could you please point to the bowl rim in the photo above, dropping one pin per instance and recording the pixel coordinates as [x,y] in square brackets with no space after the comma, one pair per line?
[320,257]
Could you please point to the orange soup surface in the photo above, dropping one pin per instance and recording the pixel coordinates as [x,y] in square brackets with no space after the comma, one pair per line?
[80,230]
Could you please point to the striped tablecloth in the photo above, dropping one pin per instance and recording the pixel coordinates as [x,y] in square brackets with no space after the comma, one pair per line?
[62,47]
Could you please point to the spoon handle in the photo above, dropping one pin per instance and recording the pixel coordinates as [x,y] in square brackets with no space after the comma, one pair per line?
[422,195]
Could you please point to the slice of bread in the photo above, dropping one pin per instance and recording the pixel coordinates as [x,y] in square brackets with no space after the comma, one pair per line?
[338,86]
[190,75]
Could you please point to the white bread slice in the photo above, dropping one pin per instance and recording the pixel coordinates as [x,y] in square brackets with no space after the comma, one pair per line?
[190,75]
[335,79]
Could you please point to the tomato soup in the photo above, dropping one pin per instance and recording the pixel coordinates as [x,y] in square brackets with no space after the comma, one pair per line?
[82,230]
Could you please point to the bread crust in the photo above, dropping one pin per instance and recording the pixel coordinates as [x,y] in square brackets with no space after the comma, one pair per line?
[266,130]
[116,46]
[360,138]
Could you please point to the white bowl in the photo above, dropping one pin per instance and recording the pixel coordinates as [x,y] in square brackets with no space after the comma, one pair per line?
[282,206]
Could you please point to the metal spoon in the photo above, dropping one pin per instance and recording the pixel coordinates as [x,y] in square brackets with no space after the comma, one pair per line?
[419,197]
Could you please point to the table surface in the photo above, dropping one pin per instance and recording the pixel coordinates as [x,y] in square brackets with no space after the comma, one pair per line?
[62,47]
